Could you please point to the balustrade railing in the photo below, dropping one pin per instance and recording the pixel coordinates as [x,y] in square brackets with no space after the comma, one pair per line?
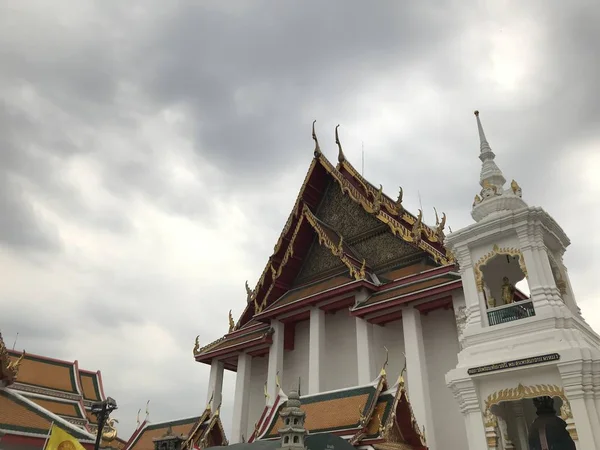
[510,312]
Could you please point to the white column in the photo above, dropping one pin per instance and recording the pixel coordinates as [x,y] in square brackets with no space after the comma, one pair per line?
[242,398]
[522,430]
[572,378]
[275,360]
[474,304]
[596,385]
[316,351]
[215,384]
[364,351]
[416,368]
[466,396]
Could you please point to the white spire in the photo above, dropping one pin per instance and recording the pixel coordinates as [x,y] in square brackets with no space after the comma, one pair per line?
[489,170]
[493,198]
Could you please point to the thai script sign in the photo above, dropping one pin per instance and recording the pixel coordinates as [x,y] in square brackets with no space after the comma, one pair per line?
[514,364]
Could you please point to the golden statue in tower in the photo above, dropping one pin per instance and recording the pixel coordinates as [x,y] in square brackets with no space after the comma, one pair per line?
[508,291]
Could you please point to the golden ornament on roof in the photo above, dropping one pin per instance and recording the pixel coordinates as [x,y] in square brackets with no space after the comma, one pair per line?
[231,322]
[197,345]
[249,293]
[341,156]
[317,151]
[14,365]
[340,247]
[110,432]
[363,267]
[385,363]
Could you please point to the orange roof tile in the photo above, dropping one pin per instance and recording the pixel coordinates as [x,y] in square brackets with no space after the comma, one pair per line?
[330,411]
[68,409]
[47,373]
[407,289]
[402,272]
[20,414]
[89,385]
[144,440]
[311,289]
[229,341]
[18,417]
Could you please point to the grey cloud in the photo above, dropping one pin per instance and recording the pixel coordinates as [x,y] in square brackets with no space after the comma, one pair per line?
[291,55]
[20,226]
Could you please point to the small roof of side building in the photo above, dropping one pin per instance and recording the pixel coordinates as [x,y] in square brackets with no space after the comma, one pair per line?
[42,388]
[21,416]
[367,415]
[201,431]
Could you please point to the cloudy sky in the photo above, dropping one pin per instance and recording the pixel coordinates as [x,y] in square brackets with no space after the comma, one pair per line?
[150,152]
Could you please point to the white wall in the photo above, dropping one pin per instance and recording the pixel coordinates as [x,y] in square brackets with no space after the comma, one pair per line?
[295,362]
[441,348]
[258,376]
[340,352]
[391,336]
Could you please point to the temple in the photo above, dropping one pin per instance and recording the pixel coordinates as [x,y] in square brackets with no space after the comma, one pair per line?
[356,283]
[36,391]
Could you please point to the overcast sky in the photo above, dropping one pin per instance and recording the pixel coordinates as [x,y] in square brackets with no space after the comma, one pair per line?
[150,152]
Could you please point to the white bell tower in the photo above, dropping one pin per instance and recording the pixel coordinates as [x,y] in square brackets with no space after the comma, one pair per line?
[519,345]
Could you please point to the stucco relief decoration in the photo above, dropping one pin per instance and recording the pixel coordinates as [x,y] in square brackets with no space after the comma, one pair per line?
[556,274]
[529,392]
[489,256]
[461,321]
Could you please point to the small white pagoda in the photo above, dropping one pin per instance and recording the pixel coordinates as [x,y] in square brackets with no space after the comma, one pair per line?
[514,348]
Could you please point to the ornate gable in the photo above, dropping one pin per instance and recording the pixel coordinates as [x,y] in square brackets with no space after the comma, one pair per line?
[344,214]
[319,263]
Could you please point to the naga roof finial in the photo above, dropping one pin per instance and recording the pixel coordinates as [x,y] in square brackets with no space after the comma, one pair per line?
[341,156]
[314,136]
[231,322]
[197,345]
[385,363]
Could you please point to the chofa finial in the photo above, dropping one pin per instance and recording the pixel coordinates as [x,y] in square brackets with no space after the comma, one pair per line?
[341,156]
[314,136]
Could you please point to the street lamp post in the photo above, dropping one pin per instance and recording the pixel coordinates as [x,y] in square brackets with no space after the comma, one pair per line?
[102,410]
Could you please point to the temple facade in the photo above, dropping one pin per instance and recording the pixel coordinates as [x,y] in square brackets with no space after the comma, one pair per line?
[358,289]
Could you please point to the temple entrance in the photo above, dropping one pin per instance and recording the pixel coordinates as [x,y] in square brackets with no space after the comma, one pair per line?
[511,414]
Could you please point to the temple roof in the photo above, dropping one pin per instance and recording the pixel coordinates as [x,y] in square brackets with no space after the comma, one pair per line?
[277,284]
[363,415]
[200,431]
[51,388]
[19,414]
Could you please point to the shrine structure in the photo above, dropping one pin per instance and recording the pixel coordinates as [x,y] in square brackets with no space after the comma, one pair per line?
[356,283]
[36,391]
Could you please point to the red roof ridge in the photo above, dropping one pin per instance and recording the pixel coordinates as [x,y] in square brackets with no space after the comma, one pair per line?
[48,358]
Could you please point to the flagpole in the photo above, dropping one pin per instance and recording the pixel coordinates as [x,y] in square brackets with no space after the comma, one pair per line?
[48,437]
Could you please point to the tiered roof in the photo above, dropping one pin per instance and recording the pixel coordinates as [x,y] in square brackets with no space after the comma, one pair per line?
[374,414]
[201,431]
[283,286]
[51,390]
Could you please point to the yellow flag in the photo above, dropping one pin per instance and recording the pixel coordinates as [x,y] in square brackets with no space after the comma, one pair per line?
[61,440]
